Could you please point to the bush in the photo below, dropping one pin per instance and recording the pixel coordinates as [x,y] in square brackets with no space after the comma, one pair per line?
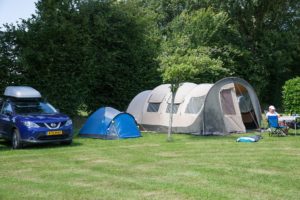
[291,95]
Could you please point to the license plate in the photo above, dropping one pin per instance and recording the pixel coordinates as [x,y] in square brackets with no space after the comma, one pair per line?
[54,133]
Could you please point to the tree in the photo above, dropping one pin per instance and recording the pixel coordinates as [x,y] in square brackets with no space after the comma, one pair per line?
[51,53]
[269,33]
[121,53]
[189,66]
[291,95]
[186,55]
[259,42]
[94,53]
[10,71]
[83,54]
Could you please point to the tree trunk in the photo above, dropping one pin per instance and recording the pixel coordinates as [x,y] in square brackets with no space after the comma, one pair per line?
[171,114]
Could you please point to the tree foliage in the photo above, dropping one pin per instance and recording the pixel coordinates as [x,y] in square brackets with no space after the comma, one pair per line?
[269,31]
[291,95]
[83,53]
[51,53]
[122,52]
[190,45]
[87,54]
[259,42]
[10,71]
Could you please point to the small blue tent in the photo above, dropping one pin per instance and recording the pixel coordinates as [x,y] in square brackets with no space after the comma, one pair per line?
[109,123]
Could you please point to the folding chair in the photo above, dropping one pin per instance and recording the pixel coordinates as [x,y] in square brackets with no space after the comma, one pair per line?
[275,128]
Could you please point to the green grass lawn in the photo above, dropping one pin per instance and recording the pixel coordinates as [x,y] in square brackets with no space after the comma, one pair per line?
[190,167]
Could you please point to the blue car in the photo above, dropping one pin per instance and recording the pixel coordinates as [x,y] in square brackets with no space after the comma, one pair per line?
[25,117]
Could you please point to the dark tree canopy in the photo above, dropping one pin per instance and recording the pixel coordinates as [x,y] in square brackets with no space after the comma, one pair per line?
[261,43]
[83,54]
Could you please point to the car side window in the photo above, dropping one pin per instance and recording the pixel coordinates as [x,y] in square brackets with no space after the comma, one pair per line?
[7,108]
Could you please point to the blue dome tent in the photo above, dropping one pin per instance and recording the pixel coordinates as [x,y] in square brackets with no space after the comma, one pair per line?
[109,123]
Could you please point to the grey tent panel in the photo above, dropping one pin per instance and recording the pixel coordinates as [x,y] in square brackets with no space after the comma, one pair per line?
[213,123]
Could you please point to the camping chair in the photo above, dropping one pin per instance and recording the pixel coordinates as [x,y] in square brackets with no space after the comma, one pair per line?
[274,127]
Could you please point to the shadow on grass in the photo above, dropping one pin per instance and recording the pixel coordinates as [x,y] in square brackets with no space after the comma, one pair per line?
[293,133]
[213,137]
[6,145]
[230,137]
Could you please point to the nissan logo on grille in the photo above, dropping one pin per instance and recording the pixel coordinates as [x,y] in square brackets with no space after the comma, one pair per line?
[53,125]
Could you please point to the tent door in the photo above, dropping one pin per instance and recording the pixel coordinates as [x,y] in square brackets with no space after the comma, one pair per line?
[246,107]
[231,111]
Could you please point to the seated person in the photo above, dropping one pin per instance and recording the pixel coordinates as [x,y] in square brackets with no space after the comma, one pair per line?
[272,112]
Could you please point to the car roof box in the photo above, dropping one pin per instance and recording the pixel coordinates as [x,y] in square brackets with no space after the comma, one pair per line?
[22,92]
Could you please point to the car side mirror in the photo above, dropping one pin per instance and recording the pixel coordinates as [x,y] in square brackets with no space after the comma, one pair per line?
[57,110]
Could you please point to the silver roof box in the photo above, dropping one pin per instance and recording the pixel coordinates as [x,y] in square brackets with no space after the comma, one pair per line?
[22,92]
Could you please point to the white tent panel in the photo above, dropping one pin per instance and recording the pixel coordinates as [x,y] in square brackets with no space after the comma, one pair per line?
[200,90]
[159,93]
[182,92]
[137,105]
[194,100]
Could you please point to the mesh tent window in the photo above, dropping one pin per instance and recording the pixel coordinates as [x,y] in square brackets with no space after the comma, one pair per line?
[153,107]
[175,108]
[227,102]
[112,131]
[195,104]
[245,103]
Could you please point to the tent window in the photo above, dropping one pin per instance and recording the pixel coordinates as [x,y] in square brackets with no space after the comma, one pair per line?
[153,107]
[227,102]
[245,103]
[195,104]
[175,108]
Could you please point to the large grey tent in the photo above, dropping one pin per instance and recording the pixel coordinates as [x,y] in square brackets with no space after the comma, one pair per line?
[230,105]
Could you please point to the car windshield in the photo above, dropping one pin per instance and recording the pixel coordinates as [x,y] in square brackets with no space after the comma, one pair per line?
[33,107]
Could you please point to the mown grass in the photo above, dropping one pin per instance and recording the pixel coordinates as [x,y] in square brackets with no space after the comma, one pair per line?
[190,167]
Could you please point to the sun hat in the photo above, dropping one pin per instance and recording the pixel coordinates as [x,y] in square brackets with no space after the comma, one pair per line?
[272,107]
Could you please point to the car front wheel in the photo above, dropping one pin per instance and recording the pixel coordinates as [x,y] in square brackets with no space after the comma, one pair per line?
[16,141]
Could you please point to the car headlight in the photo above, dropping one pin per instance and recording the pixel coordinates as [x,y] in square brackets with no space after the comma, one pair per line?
[68,123]
[30,124]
